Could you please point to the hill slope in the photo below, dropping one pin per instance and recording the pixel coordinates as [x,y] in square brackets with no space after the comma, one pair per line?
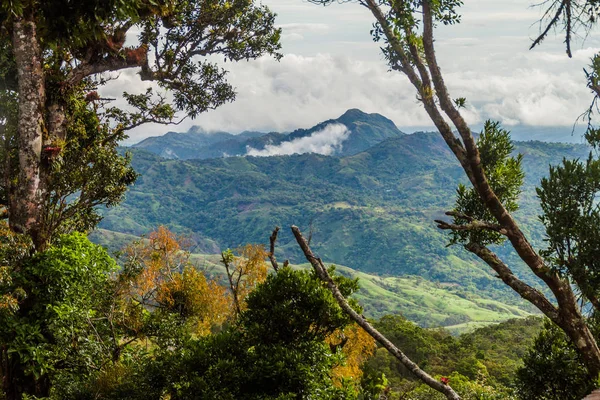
[372,211]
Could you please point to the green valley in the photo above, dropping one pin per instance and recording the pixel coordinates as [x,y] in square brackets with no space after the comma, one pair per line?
[372,211]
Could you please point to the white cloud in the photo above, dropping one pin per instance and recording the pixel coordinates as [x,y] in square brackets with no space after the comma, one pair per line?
[325,141]
[298,27]
[331,65]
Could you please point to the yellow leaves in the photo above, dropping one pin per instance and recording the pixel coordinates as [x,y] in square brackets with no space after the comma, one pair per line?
[245,271]
[357,346]
[155,261]
[203,303]
[160,276]
[251,264]
[8,303]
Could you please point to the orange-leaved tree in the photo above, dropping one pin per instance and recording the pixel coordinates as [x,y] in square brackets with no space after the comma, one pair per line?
[158,275]
[357,346]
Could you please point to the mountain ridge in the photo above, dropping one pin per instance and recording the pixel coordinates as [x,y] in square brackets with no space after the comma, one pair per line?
[365,130]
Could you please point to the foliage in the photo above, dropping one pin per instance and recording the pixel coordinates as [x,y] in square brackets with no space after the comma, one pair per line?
[468,390]
[14,248]
[298,297]
[87,173]
[55,327]
[69,134]
[268,355]
[506,177]
[480,363]
[158,275]
[571,216]
[357,346]
[553,368]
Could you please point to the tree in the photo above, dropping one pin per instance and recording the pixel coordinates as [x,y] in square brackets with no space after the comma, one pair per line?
[72,323]
[276,349]
[244,272]
[57,51]
[159,276]
[553,370]
[54,326]
[323,274]
[483,212]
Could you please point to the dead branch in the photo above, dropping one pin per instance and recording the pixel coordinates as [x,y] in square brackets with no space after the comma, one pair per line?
[322,273]
[272,241]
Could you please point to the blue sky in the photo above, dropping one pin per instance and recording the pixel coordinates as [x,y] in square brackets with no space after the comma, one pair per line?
[331,64]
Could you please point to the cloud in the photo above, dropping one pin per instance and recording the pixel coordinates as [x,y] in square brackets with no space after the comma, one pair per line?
[331,64]
[298,27]
[325,141]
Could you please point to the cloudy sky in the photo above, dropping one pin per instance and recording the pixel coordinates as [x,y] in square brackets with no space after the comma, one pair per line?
[331,64]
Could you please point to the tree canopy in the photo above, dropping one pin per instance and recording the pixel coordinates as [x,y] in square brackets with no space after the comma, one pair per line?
[56,54]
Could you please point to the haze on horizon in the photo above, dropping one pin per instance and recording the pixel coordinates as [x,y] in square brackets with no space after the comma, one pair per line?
[331,64]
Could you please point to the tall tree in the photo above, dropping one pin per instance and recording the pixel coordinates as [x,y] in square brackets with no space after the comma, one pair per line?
[483,212]
[58,48]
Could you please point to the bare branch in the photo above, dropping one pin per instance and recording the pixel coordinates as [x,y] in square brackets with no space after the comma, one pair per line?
[322,273]
[233,286]
[271,254]
[551,24]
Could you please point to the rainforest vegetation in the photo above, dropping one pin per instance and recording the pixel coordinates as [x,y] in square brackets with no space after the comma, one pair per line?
[146,320]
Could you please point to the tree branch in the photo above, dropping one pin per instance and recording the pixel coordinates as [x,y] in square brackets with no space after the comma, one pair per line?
[530,294]
[552,22]
[322,273]
[271,254]
[234,287]
[473,224]
[129,58]
[424,91]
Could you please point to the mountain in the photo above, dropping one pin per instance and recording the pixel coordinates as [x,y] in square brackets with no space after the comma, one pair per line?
[371,211]
[176,145]
[364,131]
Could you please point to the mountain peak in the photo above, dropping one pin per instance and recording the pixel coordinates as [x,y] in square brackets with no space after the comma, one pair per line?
[353,113]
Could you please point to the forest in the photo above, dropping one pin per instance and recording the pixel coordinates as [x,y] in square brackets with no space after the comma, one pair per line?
[150,273]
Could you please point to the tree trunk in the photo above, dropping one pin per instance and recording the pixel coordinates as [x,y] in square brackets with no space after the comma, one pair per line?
[26,199]
[575,327]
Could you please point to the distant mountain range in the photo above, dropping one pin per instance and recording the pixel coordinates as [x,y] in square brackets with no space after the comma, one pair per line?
[371,210]
[363,131]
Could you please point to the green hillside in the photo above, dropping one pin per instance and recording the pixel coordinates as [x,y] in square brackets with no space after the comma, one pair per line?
[430,304]
[372,211]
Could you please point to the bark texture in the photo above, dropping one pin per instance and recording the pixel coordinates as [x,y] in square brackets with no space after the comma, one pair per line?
[26,199]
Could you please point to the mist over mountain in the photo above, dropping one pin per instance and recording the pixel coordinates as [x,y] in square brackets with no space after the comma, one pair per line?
[351,133]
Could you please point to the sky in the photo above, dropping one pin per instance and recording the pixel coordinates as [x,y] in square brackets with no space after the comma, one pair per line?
[331,64]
